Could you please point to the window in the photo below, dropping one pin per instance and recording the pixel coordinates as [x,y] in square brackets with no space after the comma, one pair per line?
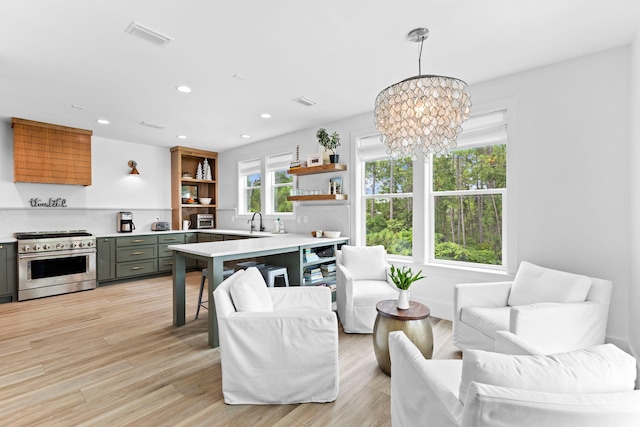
[450,210]
[387,198]
[468,194]
[280,184]
[389,204]
[250,179]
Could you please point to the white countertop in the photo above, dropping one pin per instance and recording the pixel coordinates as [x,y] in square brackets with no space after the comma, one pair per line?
[242,246]
[200,230]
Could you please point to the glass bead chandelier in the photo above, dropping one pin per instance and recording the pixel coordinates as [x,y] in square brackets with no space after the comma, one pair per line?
[424,111]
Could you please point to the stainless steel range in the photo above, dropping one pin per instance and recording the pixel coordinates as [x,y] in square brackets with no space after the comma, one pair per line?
[55,262]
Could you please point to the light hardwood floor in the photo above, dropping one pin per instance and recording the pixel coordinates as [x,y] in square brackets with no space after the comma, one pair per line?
[111,356]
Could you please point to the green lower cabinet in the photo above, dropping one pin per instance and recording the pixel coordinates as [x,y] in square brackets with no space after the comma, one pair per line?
[106,259]
[8,275]
[136,253]
[191,238]
[165,265]
[132,256]
[136,268]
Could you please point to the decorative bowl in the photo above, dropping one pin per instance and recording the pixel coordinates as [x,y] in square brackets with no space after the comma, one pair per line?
[204,200]
[332,234]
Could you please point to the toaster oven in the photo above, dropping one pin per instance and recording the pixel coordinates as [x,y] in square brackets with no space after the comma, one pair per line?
[202,221]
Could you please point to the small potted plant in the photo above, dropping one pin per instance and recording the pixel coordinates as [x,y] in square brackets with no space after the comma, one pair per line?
[403,279]
[329,142]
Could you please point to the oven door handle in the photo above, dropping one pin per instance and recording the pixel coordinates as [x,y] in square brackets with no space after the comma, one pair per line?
[57,254]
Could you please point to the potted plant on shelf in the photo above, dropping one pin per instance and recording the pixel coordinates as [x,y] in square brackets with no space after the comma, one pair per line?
[403,279]
[329,142]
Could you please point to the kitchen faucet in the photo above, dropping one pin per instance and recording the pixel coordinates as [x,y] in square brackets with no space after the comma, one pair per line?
[253,217]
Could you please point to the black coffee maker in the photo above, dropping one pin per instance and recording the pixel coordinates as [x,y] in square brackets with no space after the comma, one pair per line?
[125,222]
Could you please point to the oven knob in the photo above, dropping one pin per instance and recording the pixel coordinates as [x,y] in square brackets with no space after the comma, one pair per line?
[60,246]
[89,243]
[81,244]
[26,248]
[36,247]
[73,244]
[46,247]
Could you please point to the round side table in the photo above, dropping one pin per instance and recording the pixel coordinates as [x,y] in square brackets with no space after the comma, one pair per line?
[414,322]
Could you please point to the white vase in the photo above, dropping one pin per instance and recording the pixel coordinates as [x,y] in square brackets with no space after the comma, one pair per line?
[403,299]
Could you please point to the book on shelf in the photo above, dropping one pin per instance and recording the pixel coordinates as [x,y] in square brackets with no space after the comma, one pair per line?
[310,256]
[328,267]
[312,274]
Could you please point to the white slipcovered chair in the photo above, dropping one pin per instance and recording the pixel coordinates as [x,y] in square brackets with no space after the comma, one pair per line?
[588,387]
[550,309]
[277,345]
[361,282]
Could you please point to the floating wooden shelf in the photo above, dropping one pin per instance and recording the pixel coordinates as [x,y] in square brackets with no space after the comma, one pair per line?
[203,181]
[331,167]
[317,197]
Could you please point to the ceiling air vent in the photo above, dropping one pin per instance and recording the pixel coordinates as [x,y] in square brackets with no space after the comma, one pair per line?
[148,34]
[304,101]
[152,125]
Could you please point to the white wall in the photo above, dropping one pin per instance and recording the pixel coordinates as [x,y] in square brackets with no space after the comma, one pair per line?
[634,197]
[572,211]
[308,215]
[93,207]
[573,173]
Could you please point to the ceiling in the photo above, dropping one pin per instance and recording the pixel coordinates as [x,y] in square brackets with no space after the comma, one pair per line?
[70,62]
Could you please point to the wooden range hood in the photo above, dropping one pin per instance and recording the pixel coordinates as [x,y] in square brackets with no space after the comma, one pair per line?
[50,154]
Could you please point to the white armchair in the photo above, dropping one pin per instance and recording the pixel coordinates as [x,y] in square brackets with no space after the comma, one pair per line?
[361,282]
[277,345]
[549,309]
[589,387]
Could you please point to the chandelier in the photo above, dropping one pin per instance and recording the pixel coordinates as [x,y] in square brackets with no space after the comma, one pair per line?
[424,111]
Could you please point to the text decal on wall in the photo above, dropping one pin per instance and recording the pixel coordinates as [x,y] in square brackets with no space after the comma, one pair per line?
[51,203]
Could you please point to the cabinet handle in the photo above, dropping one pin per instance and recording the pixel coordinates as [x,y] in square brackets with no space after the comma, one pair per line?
[137,241]
[168,263]
[137,268]
[137,253]
[170,240]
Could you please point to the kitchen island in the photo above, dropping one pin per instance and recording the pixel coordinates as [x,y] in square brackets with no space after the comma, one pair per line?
[285,250]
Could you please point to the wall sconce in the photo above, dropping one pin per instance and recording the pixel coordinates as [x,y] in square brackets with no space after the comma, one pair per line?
[133,165]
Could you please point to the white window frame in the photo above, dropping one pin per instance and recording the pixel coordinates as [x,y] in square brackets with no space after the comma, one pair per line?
[273,164]
[422,216]
[369,149]
[484,128]
[246,168]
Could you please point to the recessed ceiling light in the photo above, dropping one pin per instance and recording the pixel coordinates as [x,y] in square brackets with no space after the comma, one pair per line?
[245,136]
[77,107]
[182,137]
[103,121]
[239,77]
[265,115]
[183,89]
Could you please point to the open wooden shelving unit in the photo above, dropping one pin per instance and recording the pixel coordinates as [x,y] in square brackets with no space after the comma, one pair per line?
[328,168]
[184,159]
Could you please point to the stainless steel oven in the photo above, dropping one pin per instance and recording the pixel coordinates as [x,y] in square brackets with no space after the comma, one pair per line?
[52,263]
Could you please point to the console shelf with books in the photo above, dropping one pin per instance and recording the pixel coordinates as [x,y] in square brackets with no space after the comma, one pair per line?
[319,266]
